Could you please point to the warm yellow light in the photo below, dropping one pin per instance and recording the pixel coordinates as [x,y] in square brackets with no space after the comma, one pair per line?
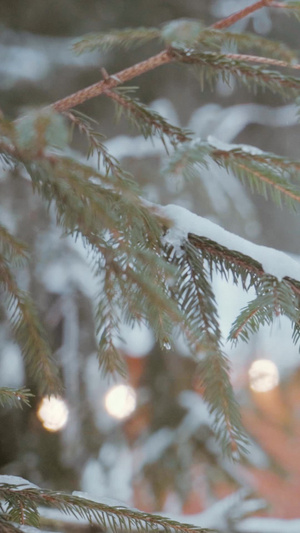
[263,375]
[120,401]
[53,413]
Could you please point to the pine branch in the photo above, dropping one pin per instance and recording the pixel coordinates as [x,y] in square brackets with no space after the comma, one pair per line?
[135,289]
[11,248]
[8,527]
[239,15]
[213,64]
[86,126]
[263,60]
[149,122]
[213,39]
[23,508]
[293,7]
[201,328]
[269,175]
[240,267]
[115,224]
[273,298]
[107,320]
[127,39]
[164,57]
[262,174]
[29,333]
[14,397]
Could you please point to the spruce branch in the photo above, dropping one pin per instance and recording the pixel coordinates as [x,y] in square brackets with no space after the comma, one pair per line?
[164,57]
[11,248]
[273,298]
[241,267]
[250,75]
[266,173]
[124,75]
[29,333]
[239,15]
[86,125]
[201,328]
[262,176]
[24,503]
[128,38]
[215,39]
[263,60]
[14,397]
[292,7]
[148,121]
[8,527]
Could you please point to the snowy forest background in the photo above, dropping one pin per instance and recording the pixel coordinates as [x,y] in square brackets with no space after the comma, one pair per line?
[161,457]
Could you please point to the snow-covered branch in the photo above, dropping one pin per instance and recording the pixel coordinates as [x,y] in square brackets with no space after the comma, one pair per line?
[183,223]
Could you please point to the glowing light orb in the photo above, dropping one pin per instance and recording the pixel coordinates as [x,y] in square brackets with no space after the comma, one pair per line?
[120,401]
[263,375]
[53,413]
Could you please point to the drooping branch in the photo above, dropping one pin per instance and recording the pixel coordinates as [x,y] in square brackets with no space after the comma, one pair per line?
[239,261]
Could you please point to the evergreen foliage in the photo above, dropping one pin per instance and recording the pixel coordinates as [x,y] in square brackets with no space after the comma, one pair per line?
[143,278]
[22,508]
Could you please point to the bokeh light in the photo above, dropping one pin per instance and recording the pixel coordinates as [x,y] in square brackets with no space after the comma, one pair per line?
[263,375]
[120,401]
[53,412]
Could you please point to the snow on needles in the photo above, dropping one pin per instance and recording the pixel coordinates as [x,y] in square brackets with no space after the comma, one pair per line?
[274,262]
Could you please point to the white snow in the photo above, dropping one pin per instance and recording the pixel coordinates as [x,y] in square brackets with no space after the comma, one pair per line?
[216,515]
[227,147]
[274,262]
[136,341]
[156,445]
[11,365]
[111,502]
[19,482]
[268,525]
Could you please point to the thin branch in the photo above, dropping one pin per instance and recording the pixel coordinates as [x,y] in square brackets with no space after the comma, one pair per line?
[113,81]
[270,182]
[239,15]
[281,5]
[239,260]
[151,63]
[264,60]
[247,319]
[152,119]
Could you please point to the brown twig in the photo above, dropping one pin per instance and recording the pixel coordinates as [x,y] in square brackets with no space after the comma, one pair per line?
[263,60]
[151,63]
[281,5]
[113,81]
[239,15]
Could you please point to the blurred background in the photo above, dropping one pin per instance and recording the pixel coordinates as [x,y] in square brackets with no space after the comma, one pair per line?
[147,441]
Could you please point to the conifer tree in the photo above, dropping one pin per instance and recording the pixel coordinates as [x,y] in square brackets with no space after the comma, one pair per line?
[155,264]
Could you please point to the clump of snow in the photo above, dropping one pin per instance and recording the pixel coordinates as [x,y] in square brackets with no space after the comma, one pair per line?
[11,365]
[156,445]
[228,147]
[268,525]
[111,502]
[19,482]
[197,413]
[274,262]
[216,516]
[136,341]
